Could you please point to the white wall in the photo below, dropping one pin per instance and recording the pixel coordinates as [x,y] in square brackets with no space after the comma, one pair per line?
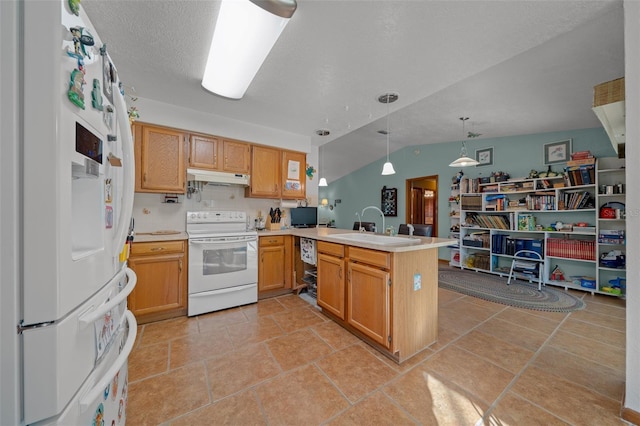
[152,215]
[632,78]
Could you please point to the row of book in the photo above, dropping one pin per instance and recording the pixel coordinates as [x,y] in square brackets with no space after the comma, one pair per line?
[489,220]
[581,175]
[577,201]
[571,248]
[541,202]
[506,244]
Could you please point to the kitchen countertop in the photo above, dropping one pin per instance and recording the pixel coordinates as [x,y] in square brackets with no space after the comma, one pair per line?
[328,234]
[168,235]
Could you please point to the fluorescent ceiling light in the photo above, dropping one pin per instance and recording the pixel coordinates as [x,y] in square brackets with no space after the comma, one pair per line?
[245,32]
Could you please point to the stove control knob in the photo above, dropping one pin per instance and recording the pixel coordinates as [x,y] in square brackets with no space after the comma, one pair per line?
[193,215]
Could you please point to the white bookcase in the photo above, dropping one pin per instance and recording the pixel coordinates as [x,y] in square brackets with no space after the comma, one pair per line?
[557,216]
[454,223]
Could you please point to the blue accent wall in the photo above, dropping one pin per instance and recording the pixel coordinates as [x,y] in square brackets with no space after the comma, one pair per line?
[515,155]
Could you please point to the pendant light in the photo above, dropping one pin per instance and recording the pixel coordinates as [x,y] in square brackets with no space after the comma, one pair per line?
[387,98]
[463,160]
[323,181]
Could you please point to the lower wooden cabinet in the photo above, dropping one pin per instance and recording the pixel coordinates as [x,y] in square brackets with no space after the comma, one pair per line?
[331,278]
[161,291]
[274,263]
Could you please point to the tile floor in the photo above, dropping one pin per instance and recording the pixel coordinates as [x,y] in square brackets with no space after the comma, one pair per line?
[281,362]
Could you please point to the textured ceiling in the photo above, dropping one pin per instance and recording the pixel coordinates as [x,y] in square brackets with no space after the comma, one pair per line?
[513,67]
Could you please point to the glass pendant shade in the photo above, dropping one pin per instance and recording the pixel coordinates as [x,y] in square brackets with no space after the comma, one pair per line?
[323,182]
[463,160]
[388,169]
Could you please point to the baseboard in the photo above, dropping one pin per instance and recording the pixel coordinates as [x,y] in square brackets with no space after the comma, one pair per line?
[630,415]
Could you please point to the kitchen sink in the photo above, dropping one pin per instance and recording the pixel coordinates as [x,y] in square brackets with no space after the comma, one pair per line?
[374,238]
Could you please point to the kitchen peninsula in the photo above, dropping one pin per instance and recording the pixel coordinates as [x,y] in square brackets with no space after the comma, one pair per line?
[382,289]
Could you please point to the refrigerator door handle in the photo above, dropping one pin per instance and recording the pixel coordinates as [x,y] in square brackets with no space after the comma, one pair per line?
[91,316]
[108,376]
[128,172]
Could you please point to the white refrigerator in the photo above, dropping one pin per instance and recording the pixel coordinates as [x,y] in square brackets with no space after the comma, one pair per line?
[67,362]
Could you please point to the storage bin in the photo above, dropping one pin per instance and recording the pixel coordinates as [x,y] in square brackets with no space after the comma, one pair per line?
[588,282]
[609,92]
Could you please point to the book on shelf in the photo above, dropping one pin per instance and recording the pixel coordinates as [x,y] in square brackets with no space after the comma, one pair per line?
[581,155]
[581,162]
[581,175]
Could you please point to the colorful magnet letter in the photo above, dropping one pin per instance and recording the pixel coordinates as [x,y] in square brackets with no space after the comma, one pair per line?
[76,85]
[96,95]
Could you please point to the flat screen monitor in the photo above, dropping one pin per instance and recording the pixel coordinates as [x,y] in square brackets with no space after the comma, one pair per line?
[304,217]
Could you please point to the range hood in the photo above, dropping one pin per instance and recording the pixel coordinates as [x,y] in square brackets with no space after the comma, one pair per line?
[223,178]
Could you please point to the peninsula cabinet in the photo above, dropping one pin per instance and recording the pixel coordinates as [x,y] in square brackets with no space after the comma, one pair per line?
[160,155]
[390,299]
[331,278]
[277,173]
[217,154]
[161,291]
[274,265]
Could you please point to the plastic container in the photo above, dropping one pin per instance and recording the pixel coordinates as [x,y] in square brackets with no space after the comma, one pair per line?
[588,282]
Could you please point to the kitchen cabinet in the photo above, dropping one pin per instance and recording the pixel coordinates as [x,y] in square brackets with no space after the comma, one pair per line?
[160,155]
[274,265]
[368,293]
[213,153]
[277,173]
[161,291]
[331,274]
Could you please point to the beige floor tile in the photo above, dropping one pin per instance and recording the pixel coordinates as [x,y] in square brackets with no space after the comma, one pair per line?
[590,349]
[297,349]
[263,308]
[461,316]
[615,323]
[606,309]
[445,336]
[504,354]
[567,400]
[529,319]
[240,409]
[399,368]
[514,333]
[434,401]
[477,376]
[605,300]
[593,375]
[219,319]
[355,371]
[492,306]
[334,335]
[586,329]
[146,361]
[514,410]
[296,319]
[300,397]
[291,301]
[198,347]
[254,331]
[447,296]
[240,369]
[163,331]
[377,409]
[159,398]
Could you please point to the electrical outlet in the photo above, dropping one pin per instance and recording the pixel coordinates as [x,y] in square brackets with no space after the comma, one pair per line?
[417,282]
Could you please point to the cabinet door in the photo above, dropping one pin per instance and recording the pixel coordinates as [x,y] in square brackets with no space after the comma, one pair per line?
[236,156]
[160,160]
[368,302]
[271,269]
[203,152]
[331,288]
[294,174]
[265,172]
[161,291]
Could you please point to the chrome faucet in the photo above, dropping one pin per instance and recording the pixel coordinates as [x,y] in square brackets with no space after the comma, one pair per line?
[375,208]
[360,228]
[410,226]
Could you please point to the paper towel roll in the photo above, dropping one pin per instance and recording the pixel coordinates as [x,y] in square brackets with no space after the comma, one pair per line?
[288,204]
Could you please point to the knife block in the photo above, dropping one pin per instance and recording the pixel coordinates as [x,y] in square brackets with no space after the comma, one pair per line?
[273,226]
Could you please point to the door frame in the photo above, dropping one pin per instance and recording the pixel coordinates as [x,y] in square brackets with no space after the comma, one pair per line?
[409,183]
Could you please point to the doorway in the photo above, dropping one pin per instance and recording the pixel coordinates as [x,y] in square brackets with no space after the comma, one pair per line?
[422,201]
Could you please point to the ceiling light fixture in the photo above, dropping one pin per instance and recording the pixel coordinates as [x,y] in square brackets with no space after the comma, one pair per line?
[323,181]
[245,32]
[463,160]
[387,98]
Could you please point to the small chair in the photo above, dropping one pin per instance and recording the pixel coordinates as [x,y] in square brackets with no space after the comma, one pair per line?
[418,229]
[368,226]
[526,262]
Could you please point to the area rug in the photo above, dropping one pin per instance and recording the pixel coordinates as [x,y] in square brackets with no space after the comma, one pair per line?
[520,294]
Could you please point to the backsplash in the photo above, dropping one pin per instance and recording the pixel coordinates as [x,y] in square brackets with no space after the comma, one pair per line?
[151,213]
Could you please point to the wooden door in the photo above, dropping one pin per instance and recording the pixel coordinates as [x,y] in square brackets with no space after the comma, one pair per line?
[331,284]
[160,160]
[294,174]
[265,172]
[236,156]
[271,269]
[368,302]
[203,152]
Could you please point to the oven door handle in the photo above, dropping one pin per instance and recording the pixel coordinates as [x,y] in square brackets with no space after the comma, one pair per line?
[223,240]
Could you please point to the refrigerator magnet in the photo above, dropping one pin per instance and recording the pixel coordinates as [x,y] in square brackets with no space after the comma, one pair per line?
[109,217]
[107,190]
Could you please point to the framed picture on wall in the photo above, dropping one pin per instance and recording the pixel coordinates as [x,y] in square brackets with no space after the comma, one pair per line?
[557,152]
[484,156]
[389,201]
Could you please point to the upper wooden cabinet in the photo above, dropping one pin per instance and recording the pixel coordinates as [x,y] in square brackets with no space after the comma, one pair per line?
[226,155]
[277,173]
[160,159]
